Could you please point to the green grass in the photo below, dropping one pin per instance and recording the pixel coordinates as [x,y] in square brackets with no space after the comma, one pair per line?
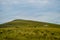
[29,30]
[28,23]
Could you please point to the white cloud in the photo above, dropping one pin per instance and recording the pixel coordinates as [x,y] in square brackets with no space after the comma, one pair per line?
[24,1]
[38,1]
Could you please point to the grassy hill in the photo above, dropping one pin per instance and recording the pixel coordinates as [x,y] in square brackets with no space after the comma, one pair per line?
[29,30]
[28,23]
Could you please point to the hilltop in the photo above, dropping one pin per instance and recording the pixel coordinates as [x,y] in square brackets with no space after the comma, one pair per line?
[18,23]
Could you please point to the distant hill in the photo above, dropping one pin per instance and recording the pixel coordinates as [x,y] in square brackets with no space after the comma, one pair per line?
[19,23]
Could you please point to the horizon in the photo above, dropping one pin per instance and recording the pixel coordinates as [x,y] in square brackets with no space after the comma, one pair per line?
[30,20]
[36,10]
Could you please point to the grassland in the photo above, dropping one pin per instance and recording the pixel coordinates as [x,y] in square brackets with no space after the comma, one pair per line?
[29,30]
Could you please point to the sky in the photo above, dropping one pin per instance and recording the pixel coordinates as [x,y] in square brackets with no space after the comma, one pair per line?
[38,10]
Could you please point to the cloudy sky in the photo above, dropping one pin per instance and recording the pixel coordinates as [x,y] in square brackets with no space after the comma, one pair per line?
[39,10]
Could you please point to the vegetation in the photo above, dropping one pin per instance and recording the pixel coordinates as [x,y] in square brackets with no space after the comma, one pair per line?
[29,30]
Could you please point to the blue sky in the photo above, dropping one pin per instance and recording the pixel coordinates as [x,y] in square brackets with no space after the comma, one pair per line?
[39,10]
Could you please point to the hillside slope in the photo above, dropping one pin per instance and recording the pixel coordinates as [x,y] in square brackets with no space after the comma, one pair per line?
[29,30]
[28,23]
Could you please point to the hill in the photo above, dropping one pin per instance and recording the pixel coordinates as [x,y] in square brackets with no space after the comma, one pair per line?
[29,30]
[28,23]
